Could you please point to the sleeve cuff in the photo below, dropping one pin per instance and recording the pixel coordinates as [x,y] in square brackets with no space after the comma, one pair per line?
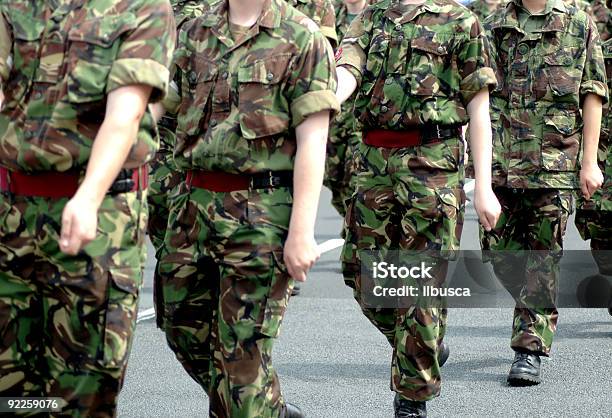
[330,34]
[476,81]
[172,101]
[130,71]
[313,102]
[355,72]
[594,87]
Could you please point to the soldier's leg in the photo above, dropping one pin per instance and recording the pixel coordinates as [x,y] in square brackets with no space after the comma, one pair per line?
[432,219]
[596,225]
[254,292]
[21,307]
[504,245]
[91,304]
[188,279]
[334,169]
[371,229]
[535,319]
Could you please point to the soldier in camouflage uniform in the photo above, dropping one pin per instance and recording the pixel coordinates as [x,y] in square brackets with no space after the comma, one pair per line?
[322,13]
[594,216]
[164,177]
[344,135]
[484,8]
[255,102]
[75,135]
[422,72]
[546,112]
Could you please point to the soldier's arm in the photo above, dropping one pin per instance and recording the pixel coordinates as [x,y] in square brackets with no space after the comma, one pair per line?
[312,99]
[6,42]
[591,177]
[139,73]
[593,92]
[352,55]
[124,109]
[477,78]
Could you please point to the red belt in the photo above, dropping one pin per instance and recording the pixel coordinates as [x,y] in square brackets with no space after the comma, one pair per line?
[57,185]
[392,139]
[218,181]
[410,137]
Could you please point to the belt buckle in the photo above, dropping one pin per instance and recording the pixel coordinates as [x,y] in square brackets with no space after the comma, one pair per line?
[438,132]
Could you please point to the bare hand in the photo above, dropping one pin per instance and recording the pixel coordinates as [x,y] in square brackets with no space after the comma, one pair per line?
[79,224]
[300,254]
[487,207]
[591,179]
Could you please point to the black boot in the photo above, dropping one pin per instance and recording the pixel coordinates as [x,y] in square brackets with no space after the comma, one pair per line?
[443,353]
[525,370]
[406,408]
[296,289]
[292,411]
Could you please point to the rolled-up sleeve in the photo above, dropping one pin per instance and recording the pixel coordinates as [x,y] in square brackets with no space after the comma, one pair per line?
[474,64]
[594,73]
[145,55]
[353,49]
[313,81]
[6,42]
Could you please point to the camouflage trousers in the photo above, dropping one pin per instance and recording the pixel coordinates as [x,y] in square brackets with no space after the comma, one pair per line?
[339,165]
[66,322]
[406,199]
[225,291]
[596,225]
[163,179]
[525,248]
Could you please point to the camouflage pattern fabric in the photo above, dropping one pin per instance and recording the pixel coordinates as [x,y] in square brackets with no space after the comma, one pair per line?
[442,65]
[162,174]
[532,224]
[437,52]
[224,299]
[344,136]
[535,111]
[66,323]
[594,217]
[64,61]
[602,16]
[322,13]
[225,287]
[482,10]
[406,199]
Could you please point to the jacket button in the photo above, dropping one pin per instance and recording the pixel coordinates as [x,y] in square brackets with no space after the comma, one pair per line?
[440,49]
[213,123]
[193,76]
[523,49]
[225,75]
[398,27]
[270,76]
[384,109]
[389,81]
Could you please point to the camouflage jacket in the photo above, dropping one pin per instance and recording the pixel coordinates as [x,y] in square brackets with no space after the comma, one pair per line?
[481,9]
[322,13]
[63,61]
[543,77]
[602,16]
[240,103]
[417,65]
[184,10]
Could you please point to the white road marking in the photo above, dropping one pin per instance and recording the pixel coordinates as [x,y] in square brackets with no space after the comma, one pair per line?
[324,247]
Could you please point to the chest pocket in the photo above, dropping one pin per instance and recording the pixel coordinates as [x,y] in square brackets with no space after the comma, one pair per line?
[430,62]
[197,82]
[27,35]
[563,73]
[93,47]
[263,107]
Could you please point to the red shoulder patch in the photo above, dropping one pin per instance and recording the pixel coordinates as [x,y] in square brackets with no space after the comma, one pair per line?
[338,54]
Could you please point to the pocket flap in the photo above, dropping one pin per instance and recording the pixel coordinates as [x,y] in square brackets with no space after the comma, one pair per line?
[424,43]
[25,28]
[102,31]
[564,121]
[269,71]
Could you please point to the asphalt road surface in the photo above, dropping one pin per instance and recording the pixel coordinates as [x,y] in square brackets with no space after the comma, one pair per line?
[333,363]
